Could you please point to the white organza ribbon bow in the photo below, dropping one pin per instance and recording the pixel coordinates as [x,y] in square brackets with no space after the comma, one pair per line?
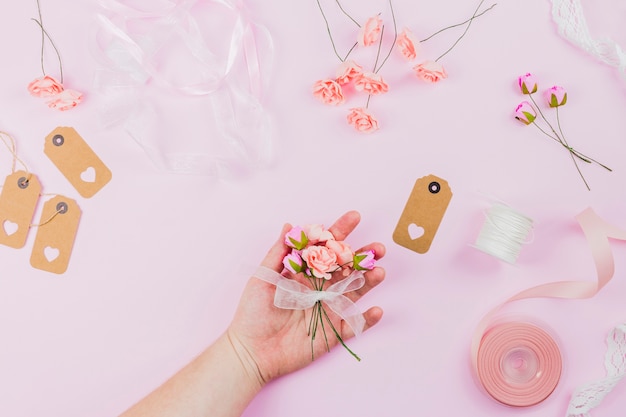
[292,295]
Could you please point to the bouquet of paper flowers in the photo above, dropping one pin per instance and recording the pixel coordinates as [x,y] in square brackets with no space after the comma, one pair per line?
[318,256]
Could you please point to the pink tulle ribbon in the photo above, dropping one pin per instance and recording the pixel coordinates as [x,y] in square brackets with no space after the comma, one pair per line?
[487,365]
[292,295]
[186,79]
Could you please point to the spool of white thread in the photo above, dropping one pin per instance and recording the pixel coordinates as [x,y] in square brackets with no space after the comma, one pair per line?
[504,233]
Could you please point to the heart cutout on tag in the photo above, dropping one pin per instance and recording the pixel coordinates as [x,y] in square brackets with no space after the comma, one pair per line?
[51,253]
[9,227]
[415,231]
[88,175]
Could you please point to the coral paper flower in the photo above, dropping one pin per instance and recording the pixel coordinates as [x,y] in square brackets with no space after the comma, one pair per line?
[321,261]
[556,96]
[371,83]
[348,71]
[525,113]
[370,31]
[45,86]
[315,233]
[328,92]
[66,100]
[407,44]
[362,120]
[527,83]
[430,71]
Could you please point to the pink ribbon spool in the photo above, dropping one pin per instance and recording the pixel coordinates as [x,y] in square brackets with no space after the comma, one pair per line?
[519,364]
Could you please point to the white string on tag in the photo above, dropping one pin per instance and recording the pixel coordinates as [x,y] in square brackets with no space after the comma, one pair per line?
[504,233]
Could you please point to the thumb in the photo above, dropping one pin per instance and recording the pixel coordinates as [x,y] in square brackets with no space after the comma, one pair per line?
[274,257]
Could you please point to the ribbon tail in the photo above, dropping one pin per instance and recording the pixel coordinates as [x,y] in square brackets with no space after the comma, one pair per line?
[349,312]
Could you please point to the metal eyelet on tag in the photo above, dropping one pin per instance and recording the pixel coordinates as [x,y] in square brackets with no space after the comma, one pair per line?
[422,214]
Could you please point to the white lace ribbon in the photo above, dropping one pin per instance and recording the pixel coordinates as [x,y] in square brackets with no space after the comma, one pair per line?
[589,396]
[570,19]
[292,295]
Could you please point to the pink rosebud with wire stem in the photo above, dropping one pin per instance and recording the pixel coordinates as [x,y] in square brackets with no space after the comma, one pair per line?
[556,96]
[348,71]
[364,261]
[527,83]
[525,113]
[370,32]
[328,92]
[293,262]
[296,238]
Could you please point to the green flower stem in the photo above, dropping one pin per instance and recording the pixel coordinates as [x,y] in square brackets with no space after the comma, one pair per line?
[321,320]
[339,338]
[459,24]
[580,155]
[464,32]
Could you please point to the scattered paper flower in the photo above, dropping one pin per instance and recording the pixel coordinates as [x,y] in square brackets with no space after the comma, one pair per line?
[45,86]
[430,71]
[370,32]
[320,258]
[556,96]
[348,71]
[525,113]
[362,120]
[65,100]
[328,92]
[527,83]
[371,83]
[407,44]
[529,113]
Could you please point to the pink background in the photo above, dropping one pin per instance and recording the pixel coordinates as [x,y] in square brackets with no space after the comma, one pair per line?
[160,259]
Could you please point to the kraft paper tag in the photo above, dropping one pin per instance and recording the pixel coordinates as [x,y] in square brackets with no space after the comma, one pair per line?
[55,235]
[18,202]
[76,161]
[423,213]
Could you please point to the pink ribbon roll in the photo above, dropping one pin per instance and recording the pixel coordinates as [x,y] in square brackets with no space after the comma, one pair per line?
[519,364]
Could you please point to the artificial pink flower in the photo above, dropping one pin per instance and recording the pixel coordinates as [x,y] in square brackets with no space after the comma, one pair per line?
[45,86]
[364,261]
[362,120]
[328,92]
[320,260]
[369,33]
[430,71]
[316,233]
[66,100]
[371,83]
[527,83]
[296,238]
[348,71]
[342,251]
[556,96]
[408,45]
[525,113]
[293,262]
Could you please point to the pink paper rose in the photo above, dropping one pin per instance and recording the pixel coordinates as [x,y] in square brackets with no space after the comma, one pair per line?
[362,120]
[525,113]
[371,83]
[348,71]
[556,96]
[66,100]
[364,261]
[369,33]
[527,83]
[293,262]
[45,86]
[296,238]
[430,71]
[316,233]
[321,261]
[328,92]
[408,45]
[342,251]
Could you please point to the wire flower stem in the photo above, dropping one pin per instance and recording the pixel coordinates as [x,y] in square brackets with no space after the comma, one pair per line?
[346,13]
[44,32]
[338,336]
[464,32]
[459,24]
[395,38]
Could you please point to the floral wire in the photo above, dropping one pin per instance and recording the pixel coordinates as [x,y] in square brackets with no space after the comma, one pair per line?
[395,38]
[43,31]
[321,308]
[349,52]
[346,13]
[339,338]
[464,32]
[330,35]
[380,43]
[459,24]
[42,37]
